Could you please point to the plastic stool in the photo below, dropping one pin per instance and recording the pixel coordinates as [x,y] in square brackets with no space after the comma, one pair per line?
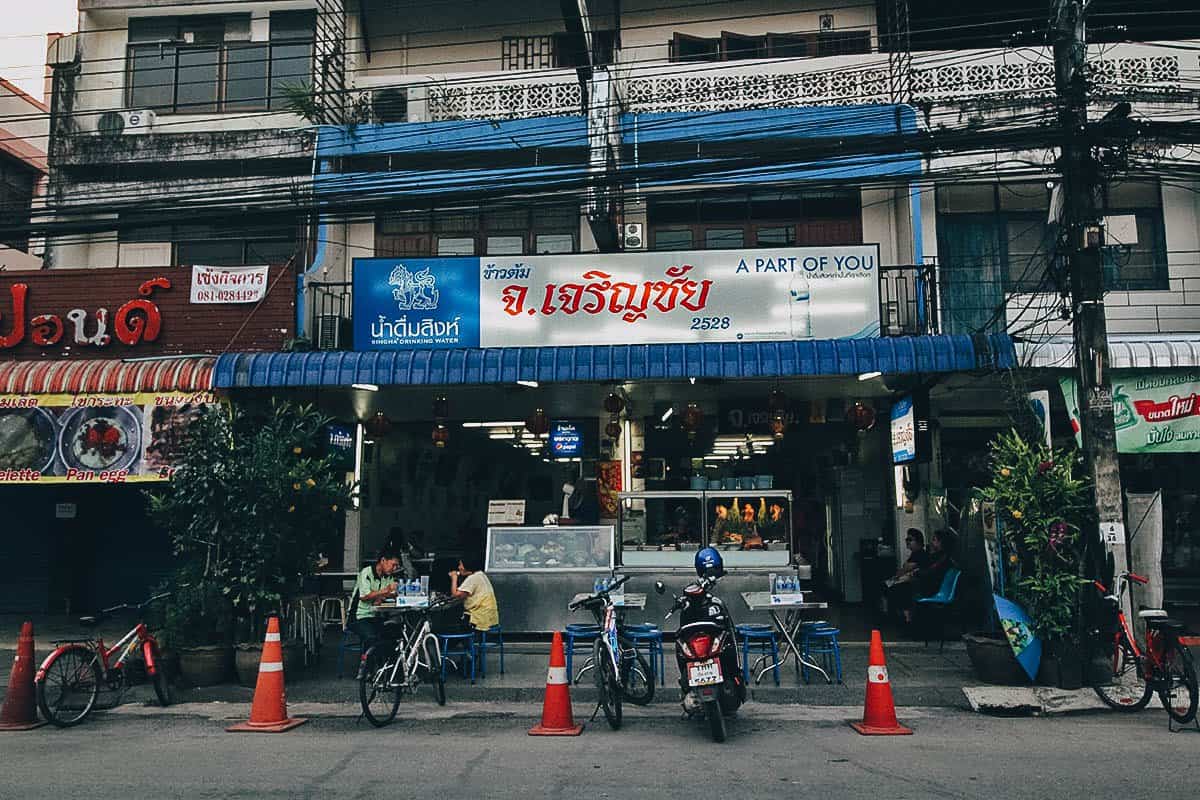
[823,641]
[763,638]
[465,652]
[482,645]
[347,643]
[577,634]
[652,637]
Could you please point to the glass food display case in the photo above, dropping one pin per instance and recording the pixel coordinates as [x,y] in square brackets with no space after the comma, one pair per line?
[575,548]
[752,527]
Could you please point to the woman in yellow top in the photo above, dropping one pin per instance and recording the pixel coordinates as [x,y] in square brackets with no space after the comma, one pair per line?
[469,584]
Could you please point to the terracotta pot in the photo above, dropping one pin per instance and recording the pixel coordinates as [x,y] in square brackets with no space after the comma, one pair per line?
[993,660]
[248,656]
[206,665]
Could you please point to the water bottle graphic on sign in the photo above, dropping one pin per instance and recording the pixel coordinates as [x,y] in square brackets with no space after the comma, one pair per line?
[800,307]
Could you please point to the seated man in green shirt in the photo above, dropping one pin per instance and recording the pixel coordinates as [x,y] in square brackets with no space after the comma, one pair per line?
[375,584]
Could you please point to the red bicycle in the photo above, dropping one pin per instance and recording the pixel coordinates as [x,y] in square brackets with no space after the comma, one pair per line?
[1165,666]
[68,682]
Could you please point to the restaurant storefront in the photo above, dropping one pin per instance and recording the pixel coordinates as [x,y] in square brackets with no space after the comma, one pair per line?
[100,375]
[564,415]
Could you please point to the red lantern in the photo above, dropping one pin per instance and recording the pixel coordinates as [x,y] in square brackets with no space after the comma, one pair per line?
[778,426]
[538,423]
[378,425]
[861,416]
[440,435]
[614,403]
[692,418]
[613,430]
[441,407]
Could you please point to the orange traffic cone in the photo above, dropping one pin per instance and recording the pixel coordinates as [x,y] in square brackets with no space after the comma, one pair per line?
[557,719]
[268,713]
[20,712]
[879,714]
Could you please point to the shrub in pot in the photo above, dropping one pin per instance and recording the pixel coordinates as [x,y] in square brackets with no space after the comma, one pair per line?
[195,631]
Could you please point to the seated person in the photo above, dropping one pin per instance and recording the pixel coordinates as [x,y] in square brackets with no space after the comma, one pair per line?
[374,585]
[469,584]
[941,555]
[900,586]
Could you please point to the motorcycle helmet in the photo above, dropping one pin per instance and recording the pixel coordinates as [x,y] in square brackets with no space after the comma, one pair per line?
[709,563]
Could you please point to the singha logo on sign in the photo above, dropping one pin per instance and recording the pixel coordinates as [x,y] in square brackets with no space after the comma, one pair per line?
[414,291]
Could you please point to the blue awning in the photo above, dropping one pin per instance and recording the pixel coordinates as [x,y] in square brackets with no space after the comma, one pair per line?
[603,363]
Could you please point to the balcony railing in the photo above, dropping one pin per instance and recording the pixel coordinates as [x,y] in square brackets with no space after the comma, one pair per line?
[1137,71]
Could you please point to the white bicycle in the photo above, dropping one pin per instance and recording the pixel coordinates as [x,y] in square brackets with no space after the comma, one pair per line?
[393,667]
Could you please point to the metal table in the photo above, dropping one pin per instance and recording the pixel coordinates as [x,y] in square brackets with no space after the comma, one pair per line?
[789,628]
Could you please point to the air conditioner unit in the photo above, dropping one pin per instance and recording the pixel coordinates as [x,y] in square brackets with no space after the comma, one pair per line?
[333,332]
[139,121]
[632,236]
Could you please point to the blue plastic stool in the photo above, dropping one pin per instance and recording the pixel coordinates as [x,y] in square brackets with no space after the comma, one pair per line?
[764,640]
[465,652]
[577,634]
[822,641]
[482,645]
[353,645]
[649,635]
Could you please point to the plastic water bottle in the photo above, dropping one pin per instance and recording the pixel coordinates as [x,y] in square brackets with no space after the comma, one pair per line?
[774,583]
[800,307]
[425,586]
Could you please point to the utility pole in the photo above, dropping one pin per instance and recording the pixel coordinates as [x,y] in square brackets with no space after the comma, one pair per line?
[1084,236]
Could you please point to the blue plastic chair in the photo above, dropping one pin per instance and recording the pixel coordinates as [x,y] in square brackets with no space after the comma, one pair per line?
[652,638]
[465,652]
[577,635]
[821,641]
[350,642]
[940,604]
[763,639]
[491,639]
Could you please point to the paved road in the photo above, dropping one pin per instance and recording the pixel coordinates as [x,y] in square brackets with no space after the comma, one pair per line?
[482,751]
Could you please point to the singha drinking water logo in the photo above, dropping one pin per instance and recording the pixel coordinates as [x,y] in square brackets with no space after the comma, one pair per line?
[414,291]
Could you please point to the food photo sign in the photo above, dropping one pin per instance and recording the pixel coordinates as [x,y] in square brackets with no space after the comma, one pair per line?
[126,438]
[758,295]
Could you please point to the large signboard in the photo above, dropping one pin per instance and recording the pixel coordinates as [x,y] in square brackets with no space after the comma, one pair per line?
[624,298]
[904,431]
[1154,411]
[126,438]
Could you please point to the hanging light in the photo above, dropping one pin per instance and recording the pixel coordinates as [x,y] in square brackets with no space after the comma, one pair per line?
[861,416]
[440,435]
[613,429]
[538,423]
[441,407]
[692,418]
[378,425]
[614,403]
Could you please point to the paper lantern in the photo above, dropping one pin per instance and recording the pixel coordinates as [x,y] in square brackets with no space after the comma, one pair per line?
[538,423]
[378,425]
[440,435]
[861,416]
[613,430]
[693,417]
[614,403]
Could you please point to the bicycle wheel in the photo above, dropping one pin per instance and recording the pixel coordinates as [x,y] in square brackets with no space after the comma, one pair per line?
[433,672]
[1178,691]
[606,684]
[637,679]
[67,693]
[162,689]
[378,691]
[1126,688]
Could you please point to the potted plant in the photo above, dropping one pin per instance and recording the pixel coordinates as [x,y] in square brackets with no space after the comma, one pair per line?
[253,501]
[1042,507]
[194,629]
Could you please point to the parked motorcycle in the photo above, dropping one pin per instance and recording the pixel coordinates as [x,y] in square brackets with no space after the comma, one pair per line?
[710,671]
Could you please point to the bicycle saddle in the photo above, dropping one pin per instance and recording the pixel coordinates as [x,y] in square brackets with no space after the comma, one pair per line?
[1151,613]
[1166,624]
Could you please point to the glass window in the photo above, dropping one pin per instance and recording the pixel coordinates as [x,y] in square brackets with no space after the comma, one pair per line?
[1142,265]
[198,73]
[213,252]
[782,45]
[1133,194]
[694,48]
[960,198]
[843,43]
[724,209]
[503,245]
[506,219]
[152,76]
[293,24]
[246,76]
[1024,197]
[456,221]
[269,251]
[291,66]
[555,243]
[735,47]
[1027,252]
[679,239]
[447,246]
[717,238]
[784,236]
[775,206]
[404,222]
[153,29]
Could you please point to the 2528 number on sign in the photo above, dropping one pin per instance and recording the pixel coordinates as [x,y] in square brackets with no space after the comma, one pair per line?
[710,323]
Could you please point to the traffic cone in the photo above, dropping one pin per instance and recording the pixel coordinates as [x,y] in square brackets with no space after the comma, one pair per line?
[20,708]
[268,713]
[879,714]
[557,719]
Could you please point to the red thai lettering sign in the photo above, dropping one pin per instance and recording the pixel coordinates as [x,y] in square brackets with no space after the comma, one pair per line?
[119,313]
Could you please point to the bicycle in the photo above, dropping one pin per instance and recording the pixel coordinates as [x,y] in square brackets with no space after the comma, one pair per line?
[1164,666]
[68,682]
[621,671]
[391,668]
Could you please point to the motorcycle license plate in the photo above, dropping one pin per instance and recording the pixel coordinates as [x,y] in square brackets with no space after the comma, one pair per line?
[704,673]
